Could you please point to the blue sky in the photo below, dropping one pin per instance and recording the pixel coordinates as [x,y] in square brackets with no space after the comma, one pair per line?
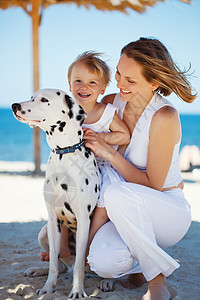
[68,30]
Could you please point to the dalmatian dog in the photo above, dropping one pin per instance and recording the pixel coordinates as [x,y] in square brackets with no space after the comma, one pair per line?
[72,182]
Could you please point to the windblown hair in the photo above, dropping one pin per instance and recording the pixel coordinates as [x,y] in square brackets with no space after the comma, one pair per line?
[158,67]
[94,64]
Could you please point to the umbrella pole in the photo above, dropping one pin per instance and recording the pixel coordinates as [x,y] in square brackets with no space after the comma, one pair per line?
[35,40]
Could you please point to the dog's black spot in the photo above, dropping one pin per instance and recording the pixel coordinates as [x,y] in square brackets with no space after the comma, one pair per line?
[47,180]
[72,228]
[51,133]
[58,93]
[80,149]
[44,120]
[62,213]
[64,186]
[44,100]
[87,152]
[60,156]
[78,117]
[56,178]
[70,105]
[23,112]
[86,181]
[70,114]
[95,164]
[58,255]
[89,207]
[53,127]
[62,222]
[97,173]
[95,188]
[69,101]
[99,187]
[63,111]
[29,110]
[74,219]
[79,132]
[48,103]
[62,125]
[47,133]
[98,197]
[86,155]
[81,111]
[81,122]
[68,222]
[81,190]
[58,122]
[68,207]
[58,224]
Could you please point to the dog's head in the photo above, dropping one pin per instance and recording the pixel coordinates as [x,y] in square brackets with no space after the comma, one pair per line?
[47,108]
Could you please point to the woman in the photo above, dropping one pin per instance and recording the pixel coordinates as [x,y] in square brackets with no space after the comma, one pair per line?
[145,202]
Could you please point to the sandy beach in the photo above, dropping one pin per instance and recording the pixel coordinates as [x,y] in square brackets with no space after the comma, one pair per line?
[22,215]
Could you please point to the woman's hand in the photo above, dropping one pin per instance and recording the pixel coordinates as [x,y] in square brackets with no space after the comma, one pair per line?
[94,141]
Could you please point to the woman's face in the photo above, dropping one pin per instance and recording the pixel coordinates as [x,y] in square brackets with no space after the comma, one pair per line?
[131,82]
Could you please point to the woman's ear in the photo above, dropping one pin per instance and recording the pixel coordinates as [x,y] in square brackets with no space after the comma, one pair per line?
[155,85]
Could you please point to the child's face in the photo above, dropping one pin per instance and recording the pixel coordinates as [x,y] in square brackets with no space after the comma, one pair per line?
[84,85]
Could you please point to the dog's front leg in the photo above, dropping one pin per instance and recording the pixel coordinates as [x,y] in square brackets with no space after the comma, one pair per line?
[54,237]
[78,291]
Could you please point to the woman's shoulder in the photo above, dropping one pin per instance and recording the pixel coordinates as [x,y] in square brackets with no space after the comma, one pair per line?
[108,99]
[166,121]
[164,113]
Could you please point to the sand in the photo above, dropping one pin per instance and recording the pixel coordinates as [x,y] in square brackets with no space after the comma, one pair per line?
[22,215]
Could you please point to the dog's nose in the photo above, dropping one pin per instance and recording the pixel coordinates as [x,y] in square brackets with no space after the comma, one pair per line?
[16,107]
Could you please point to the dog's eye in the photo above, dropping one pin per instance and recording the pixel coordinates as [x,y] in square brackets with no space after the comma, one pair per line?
[44,100]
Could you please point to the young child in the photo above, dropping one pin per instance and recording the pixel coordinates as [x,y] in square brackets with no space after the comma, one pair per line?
[88,78]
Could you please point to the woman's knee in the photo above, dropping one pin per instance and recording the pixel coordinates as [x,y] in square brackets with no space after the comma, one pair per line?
[110,264]
[109,256]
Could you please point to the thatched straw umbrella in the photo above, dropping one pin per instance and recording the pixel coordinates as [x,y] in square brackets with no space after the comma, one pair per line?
[34,7]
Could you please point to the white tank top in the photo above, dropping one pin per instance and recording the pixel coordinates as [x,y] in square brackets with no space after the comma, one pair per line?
[103,125]
[137,150]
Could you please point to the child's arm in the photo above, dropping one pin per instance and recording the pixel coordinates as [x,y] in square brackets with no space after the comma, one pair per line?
[119,134]
[100,217]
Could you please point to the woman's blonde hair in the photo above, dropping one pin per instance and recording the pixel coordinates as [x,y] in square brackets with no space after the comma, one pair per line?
[94,64]
[158,67]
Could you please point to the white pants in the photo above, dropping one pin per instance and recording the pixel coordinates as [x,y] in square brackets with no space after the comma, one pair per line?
[143,221]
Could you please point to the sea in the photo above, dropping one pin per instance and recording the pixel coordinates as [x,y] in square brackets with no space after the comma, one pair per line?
[16,138]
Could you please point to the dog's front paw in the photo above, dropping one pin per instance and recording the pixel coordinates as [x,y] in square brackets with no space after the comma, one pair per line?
[35,272]
[106,285]
[77,293]
[47,289]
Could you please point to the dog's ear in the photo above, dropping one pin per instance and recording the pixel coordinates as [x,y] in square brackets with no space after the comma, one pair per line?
[69,101]
[76,112]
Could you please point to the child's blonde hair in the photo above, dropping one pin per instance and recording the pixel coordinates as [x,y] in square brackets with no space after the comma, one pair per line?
[95,65]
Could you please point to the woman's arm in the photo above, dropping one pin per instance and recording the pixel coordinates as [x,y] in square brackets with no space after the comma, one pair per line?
[108,99]
[163,135]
